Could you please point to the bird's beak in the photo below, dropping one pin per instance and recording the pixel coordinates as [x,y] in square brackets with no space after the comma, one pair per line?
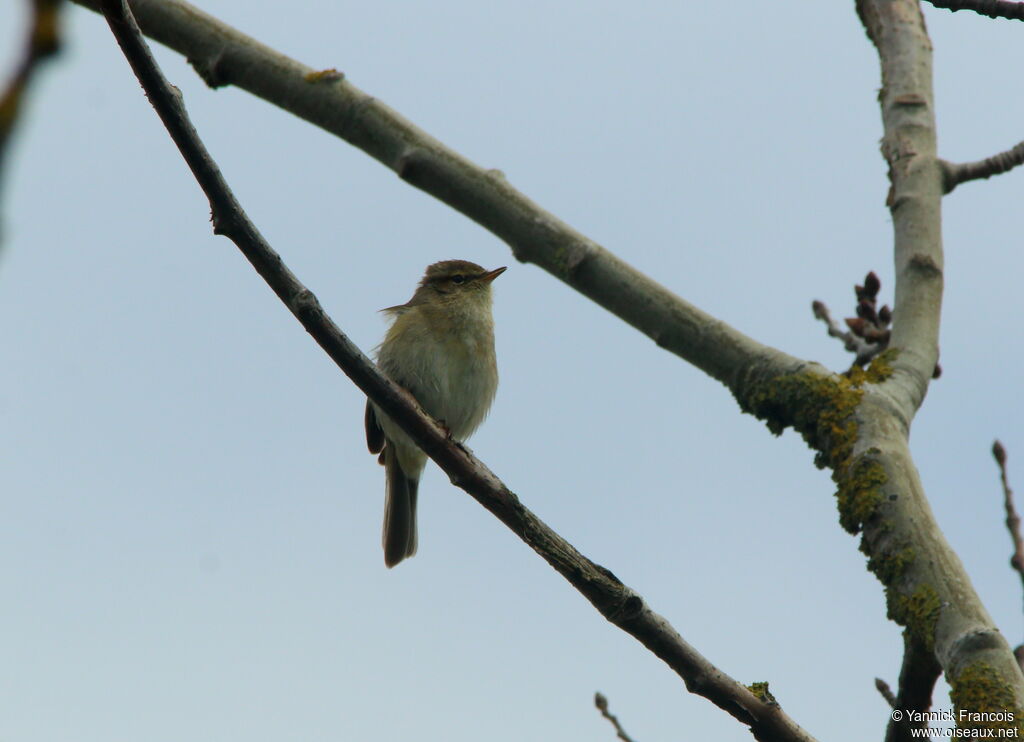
[491,275]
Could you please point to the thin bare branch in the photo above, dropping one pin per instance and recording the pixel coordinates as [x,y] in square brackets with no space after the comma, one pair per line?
[616,602]
[223,55]
[602,705]
[955,173]
[991,8]
[42,42]
[1013,526]
[1012,518]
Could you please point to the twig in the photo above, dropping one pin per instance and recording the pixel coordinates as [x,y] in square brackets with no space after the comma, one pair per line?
[955,173]
[886,691]
[869,330]
[602,705]
[864,350]
[42,42]
[616,602]
[1012,519]
[992,8]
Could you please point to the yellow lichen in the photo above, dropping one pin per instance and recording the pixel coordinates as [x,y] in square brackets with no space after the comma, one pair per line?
[761,691]
[888,565]
[982,699]
[919,612]
[821,408]
[328,75]
[859,490]
[881,368]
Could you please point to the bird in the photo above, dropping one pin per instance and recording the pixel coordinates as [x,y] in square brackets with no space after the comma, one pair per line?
[440,348]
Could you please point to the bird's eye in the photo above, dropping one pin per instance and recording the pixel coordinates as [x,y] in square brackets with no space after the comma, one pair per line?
[458,278]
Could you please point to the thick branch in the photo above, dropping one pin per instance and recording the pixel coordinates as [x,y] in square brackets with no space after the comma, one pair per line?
[615,601]
[896,28]
[927,589]
[992,8]
[225,56]
[918,675]
[955,173]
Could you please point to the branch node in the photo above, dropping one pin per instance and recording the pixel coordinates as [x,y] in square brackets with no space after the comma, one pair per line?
[212,69]
[925,265]
[407,164]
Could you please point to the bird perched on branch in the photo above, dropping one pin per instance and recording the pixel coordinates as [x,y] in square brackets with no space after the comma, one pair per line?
[440,347]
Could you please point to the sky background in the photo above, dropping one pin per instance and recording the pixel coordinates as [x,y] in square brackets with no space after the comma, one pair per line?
[190,523]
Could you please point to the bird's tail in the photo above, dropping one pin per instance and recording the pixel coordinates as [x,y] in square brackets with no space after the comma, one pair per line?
[399,510]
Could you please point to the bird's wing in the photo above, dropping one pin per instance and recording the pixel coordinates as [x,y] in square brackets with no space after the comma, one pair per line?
[374,434]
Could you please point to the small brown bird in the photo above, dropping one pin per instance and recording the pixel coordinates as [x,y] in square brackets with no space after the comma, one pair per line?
[440,347]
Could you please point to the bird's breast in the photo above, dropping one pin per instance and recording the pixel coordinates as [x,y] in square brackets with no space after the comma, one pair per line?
[448,366]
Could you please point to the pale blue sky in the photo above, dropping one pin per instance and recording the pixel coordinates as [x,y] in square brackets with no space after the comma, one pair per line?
[190,526]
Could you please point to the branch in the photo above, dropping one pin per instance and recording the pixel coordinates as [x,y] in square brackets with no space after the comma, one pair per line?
[616,602]
[992,8]
[42,42]
[1012,519]
[1013,526]
[918,675]
[602,705]
[896,28]
[927,589]
[955,173]
[858,426]
[223,55]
